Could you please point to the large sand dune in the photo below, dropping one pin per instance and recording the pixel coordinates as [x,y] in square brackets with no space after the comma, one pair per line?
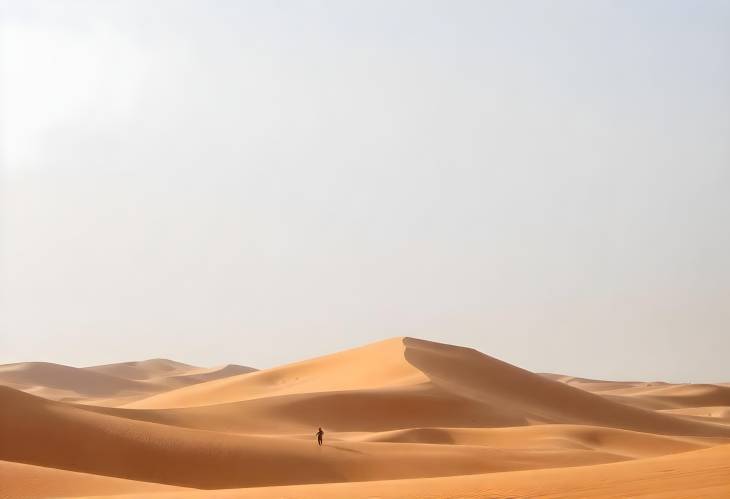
[414,383]
[395,413]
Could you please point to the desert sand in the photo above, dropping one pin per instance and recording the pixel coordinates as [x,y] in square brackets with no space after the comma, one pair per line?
[403,418]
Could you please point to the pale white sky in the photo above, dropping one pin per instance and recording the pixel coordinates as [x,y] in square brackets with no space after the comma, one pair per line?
[259,182]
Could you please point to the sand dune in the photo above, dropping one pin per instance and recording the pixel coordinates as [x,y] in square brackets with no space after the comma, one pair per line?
[625,443]
[669,398]
[419,406]
[168,372]
[717,414]
[698,474]
[112,384]
[720,412]
[598,385]
[58,435]
[27,481]
[201,375]
[682,396]
[416,383]
[143,370]
[401,410]
[60,382]
[378,365]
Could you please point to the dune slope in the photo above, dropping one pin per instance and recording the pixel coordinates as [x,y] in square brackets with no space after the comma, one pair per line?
[703,473]
[53,434]
[27,481]
[378,365]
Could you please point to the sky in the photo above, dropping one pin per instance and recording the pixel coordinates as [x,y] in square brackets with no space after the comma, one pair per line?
[263,182]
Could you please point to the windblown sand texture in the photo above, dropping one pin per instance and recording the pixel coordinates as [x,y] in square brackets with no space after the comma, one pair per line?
[403,418]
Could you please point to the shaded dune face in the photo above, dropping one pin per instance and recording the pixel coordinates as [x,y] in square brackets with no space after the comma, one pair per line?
[397,409]
[477,376]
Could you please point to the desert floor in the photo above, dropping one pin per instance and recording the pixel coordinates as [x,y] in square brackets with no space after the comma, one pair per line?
[403,418]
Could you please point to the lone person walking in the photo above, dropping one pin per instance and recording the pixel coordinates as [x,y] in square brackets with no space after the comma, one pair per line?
[320,435]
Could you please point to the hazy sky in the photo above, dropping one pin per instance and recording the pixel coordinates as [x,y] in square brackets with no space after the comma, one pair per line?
[260,182]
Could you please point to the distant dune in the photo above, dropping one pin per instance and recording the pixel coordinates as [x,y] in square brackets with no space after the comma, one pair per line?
[143,370]
[402,418]
[175,374]
[654,395]
[111,384]
[59,382]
